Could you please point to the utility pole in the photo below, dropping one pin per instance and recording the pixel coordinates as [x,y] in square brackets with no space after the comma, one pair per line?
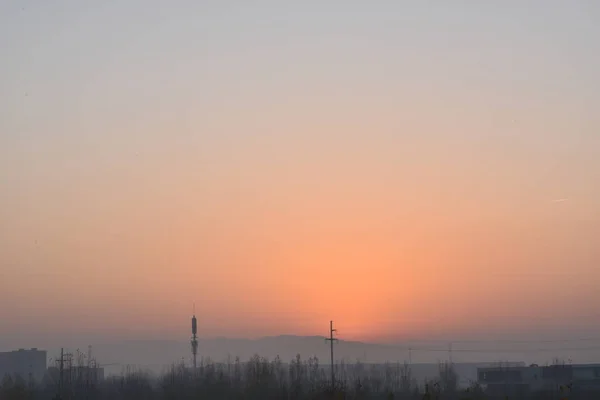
[450,352]
[60,374]
[331,340]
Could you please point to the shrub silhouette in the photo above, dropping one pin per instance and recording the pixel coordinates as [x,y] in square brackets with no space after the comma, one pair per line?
[262,379]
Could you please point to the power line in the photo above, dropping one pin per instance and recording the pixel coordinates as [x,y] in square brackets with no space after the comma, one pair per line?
[494,318]
[488,350]
[511,341]
[537,350]
[506,341]
[450,349]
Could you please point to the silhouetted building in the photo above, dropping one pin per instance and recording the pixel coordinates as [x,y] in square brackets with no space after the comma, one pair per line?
[513,381]
[24,364]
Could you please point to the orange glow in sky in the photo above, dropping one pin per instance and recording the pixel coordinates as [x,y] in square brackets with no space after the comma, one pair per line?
[394,177]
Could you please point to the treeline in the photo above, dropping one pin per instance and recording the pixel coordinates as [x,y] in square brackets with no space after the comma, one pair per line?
[262,379]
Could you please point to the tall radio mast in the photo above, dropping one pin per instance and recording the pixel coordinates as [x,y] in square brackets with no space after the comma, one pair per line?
[194,337]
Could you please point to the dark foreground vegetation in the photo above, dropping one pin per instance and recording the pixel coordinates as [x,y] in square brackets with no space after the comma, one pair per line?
[261,379]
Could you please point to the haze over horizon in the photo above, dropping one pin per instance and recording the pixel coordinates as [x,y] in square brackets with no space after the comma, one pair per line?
[411,171]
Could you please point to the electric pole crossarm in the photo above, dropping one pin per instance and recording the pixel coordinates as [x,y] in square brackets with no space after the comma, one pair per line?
[331,341]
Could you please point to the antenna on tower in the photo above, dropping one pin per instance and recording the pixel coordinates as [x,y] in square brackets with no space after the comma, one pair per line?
[194,336]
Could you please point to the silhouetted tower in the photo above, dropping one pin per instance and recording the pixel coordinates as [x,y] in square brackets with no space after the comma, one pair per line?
[331,340]
[194,337]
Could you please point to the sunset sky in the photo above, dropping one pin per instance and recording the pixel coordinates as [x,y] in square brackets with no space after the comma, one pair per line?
[409,169]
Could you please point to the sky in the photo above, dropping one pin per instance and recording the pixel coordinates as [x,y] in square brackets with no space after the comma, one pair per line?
[411,170]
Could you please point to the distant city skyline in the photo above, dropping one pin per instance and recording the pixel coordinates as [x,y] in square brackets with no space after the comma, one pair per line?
[409,170]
